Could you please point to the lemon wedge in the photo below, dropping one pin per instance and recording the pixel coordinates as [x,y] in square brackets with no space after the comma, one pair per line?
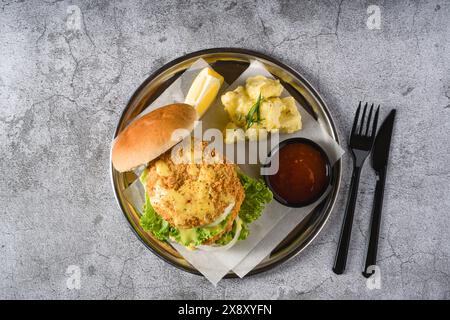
[204,90]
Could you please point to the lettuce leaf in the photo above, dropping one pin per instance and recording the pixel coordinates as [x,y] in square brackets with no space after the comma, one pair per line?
[151,221]
[244,231]
[257,195]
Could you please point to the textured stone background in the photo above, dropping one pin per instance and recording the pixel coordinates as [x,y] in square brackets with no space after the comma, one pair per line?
[61,93]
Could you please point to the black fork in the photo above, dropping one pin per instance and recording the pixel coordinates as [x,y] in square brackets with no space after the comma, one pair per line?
[361,142]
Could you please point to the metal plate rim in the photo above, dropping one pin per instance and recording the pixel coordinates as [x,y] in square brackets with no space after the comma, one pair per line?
[256,54]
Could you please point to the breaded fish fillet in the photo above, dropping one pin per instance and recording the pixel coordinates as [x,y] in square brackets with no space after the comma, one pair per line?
[191,195]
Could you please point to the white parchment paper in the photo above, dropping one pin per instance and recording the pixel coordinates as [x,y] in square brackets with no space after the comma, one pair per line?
[277,220]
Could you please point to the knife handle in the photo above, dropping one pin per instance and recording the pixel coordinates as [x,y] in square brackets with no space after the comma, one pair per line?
[371,258]
[340,261]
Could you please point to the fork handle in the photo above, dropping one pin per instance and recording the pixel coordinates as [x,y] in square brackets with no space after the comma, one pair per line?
[371,258]
[346,230]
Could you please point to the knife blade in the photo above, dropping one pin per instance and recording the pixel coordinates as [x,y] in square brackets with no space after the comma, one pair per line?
[380,156]
[381,146]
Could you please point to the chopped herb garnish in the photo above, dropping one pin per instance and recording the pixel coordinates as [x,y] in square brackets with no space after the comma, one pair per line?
[254,115]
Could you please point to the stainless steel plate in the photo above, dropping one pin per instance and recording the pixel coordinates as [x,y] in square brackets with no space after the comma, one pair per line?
[230,62]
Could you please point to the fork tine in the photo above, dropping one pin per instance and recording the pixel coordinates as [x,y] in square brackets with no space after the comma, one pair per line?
[368,119]
[375,123]
[362,119]
[355,121]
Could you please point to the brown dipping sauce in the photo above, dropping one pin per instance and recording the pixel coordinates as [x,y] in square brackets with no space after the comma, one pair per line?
[303,173]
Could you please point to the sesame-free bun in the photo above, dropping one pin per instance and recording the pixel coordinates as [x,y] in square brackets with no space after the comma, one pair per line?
[151,135]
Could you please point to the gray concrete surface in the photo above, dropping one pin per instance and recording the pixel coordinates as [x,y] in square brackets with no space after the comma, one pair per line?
[62,90]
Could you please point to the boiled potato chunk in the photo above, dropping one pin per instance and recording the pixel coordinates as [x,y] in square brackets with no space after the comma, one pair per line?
[290,119]
[260,84]
[237,104]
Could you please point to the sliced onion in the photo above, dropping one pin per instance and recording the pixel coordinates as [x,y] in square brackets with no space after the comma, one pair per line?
[227,246]
[222,217]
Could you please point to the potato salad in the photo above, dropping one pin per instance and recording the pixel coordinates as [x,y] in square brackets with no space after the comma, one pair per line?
[257,109]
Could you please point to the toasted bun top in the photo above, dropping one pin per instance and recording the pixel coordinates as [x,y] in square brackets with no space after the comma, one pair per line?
[151,135]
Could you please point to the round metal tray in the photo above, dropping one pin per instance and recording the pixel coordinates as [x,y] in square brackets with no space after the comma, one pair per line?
[230,62]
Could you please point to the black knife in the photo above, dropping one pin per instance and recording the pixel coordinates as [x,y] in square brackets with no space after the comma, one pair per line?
[380,155]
